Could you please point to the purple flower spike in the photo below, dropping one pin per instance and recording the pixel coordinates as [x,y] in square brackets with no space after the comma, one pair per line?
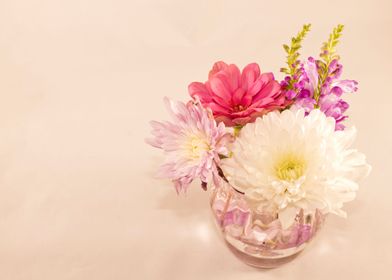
[329,101]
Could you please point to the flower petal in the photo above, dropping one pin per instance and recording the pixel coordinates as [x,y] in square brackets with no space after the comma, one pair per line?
[249,75]
[199,90]
[218,66]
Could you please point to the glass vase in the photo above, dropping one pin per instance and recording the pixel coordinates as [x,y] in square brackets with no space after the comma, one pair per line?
[257,236]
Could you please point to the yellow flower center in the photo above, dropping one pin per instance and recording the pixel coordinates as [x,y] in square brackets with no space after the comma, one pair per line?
[238,108]
[196,147]
[290,167]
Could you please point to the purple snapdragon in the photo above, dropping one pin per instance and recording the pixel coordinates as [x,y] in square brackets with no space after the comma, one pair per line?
[307,90]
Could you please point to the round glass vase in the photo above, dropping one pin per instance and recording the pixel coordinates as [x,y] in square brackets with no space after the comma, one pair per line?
[256,236]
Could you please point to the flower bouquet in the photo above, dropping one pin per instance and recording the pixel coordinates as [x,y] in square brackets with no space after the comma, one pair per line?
[276,154]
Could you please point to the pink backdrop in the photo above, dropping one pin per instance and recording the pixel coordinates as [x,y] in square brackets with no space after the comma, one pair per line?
[79,81]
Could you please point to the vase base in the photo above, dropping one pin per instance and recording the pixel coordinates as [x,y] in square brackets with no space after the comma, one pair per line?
[261,262]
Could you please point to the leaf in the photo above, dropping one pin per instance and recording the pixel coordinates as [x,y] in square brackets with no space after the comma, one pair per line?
[327,55]
[292,50]
[328,51]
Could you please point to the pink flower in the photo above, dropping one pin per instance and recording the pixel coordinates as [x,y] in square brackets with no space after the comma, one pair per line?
[237,98]
[192,144]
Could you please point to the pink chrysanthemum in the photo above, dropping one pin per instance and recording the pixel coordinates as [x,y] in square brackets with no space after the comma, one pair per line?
[192,144]
[237,98]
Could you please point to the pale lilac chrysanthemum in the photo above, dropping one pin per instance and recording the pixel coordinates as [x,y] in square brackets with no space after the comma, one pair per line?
[192,144]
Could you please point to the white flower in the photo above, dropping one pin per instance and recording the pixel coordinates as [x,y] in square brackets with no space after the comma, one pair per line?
[288,160]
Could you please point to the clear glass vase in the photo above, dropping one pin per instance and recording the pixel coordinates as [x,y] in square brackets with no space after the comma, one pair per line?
[257,236]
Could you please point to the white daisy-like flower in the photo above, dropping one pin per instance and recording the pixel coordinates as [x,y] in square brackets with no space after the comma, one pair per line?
[288,161]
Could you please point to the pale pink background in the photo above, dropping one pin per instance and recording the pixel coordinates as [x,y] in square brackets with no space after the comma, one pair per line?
[79,81]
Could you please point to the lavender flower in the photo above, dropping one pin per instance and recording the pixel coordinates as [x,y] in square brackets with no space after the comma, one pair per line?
[330,100]
[192,144]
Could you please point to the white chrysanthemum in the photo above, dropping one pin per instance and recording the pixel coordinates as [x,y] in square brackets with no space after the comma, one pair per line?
[288,160]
